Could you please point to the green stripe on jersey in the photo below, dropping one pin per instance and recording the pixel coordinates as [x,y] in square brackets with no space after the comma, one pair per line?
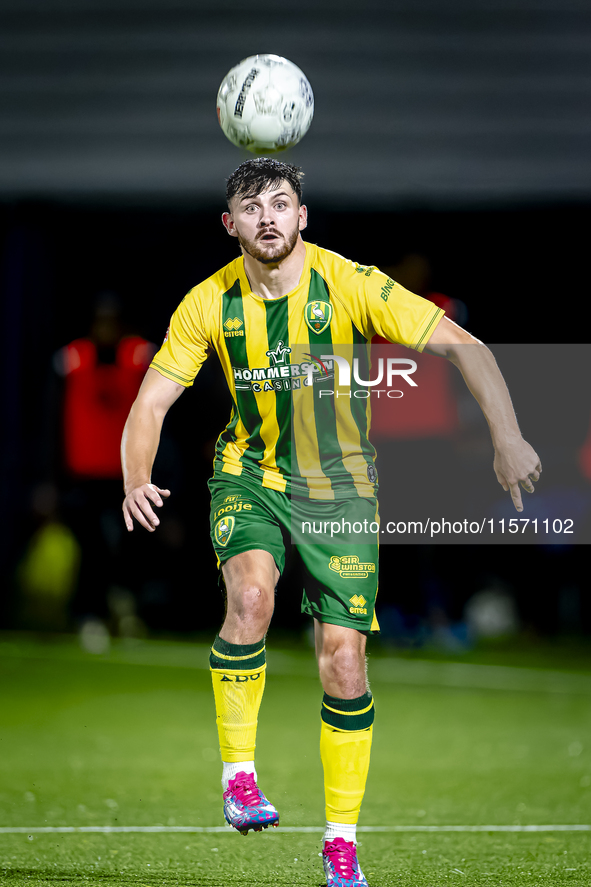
[277,314]
[246,407]
[331,457]
[360,405]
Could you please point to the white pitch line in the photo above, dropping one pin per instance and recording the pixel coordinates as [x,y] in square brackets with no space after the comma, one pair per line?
[223,829]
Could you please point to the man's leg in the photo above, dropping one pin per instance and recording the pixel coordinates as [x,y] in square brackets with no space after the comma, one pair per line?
[345,743]
[238,666]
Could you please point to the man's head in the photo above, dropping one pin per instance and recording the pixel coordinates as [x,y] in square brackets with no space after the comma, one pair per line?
[260,174]
[265,211]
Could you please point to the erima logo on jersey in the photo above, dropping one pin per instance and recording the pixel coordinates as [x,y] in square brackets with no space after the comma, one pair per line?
[232,327]
[349,567]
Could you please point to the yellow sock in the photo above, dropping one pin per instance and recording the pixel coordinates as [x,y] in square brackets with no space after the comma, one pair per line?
[345,754]
[238,676]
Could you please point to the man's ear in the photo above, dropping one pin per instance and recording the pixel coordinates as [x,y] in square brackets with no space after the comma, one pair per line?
[228,223]
[303,214]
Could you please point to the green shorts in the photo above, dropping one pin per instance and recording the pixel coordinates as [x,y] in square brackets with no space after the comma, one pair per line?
[337,541]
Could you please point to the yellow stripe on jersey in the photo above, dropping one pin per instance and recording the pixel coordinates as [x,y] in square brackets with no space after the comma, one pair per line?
[234,450]
[347,429]
[305,449]
[305,443]
[256,349]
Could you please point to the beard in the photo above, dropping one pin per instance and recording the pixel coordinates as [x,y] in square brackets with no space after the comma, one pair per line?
[270,252]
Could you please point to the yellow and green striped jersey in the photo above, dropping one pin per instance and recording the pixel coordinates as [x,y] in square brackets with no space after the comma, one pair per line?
[280,431]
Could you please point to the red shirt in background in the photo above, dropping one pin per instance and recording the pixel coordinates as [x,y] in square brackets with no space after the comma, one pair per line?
[429,410]
[97,400]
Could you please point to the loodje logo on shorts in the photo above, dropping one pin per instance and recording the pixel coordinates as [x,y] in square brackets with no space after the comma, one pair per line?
[349,567]
[223,529]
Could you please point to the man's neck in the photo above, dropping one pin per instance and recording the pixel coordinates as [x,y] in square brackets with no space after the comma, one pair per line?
[274,281]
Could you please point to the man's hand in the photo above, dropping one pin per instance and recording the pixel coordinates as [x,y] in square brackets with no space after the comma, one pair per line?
[139,445]
[138,504]
[514,464]
[515,461]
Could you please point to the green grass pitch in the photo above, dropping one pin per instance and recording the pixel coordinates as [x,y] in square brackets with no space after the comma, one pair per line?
[129,739]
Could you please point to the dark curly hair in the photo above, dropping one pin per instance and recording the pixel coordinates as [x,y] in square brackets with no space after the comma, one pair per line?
[260,174]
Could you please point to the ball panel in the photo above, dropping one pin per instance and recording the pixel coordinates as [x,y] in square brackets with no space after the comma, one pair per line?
[265,103]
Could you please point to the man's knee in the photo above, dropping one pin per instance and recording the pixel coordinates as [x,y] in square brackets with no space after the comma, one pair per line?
[344,660]
[250,580]
[341,660]
[339,643]
[251,599]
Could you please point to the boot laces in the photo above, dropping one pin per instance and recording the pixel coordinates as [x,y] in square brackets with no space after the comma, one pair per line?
[343,857]
[245,789]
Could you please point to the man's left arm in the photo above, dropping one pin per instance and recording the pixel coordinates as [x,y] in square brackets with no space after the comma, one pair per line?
[516,462]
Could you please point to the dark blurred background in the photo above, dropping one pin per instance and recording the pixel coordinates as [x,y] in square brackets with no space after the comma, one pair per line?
[450,146]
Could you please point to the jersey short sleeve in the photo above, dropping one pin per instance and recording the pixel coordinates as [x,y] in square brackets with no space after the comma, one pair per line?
[380,306]
[399,315]
[187,343]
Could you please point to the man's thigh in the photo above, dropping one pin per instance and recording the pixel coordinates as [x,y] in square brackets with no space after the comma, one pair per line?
[244,517]
[340,562]
[255,568]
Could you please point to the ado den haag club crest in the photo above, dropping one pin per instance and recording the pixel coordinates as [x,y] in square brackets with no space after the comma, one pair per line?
[223,529]
[318,315]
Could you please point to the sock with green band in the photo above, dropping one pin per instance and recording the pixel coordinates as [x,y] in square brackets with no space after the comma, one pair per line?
[238,676]
[345,745]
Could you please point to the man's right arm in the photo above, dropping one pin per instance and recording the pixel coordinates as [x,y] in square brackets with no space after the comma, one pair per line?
[139,446]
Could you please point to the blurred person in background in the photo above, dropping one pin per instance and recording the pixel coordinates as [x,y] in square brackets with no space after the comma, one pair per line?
[419,436]
[101,375]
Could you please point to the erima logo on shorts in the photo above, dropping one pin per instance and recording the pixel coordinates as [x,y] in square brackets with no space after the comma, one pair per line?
[358,602]
[223,529]
[349,567]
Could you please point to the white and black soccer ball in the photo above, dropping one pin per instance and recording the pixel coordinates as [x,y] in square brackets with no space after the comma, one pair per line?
[265,104]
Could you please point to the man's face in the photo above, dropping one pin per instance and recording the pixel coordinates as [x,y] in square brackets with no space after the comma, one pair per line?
[267,226]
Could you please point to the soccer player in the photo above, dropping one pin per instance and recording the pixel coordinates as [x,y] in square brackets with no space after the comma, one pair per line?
[271,314]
